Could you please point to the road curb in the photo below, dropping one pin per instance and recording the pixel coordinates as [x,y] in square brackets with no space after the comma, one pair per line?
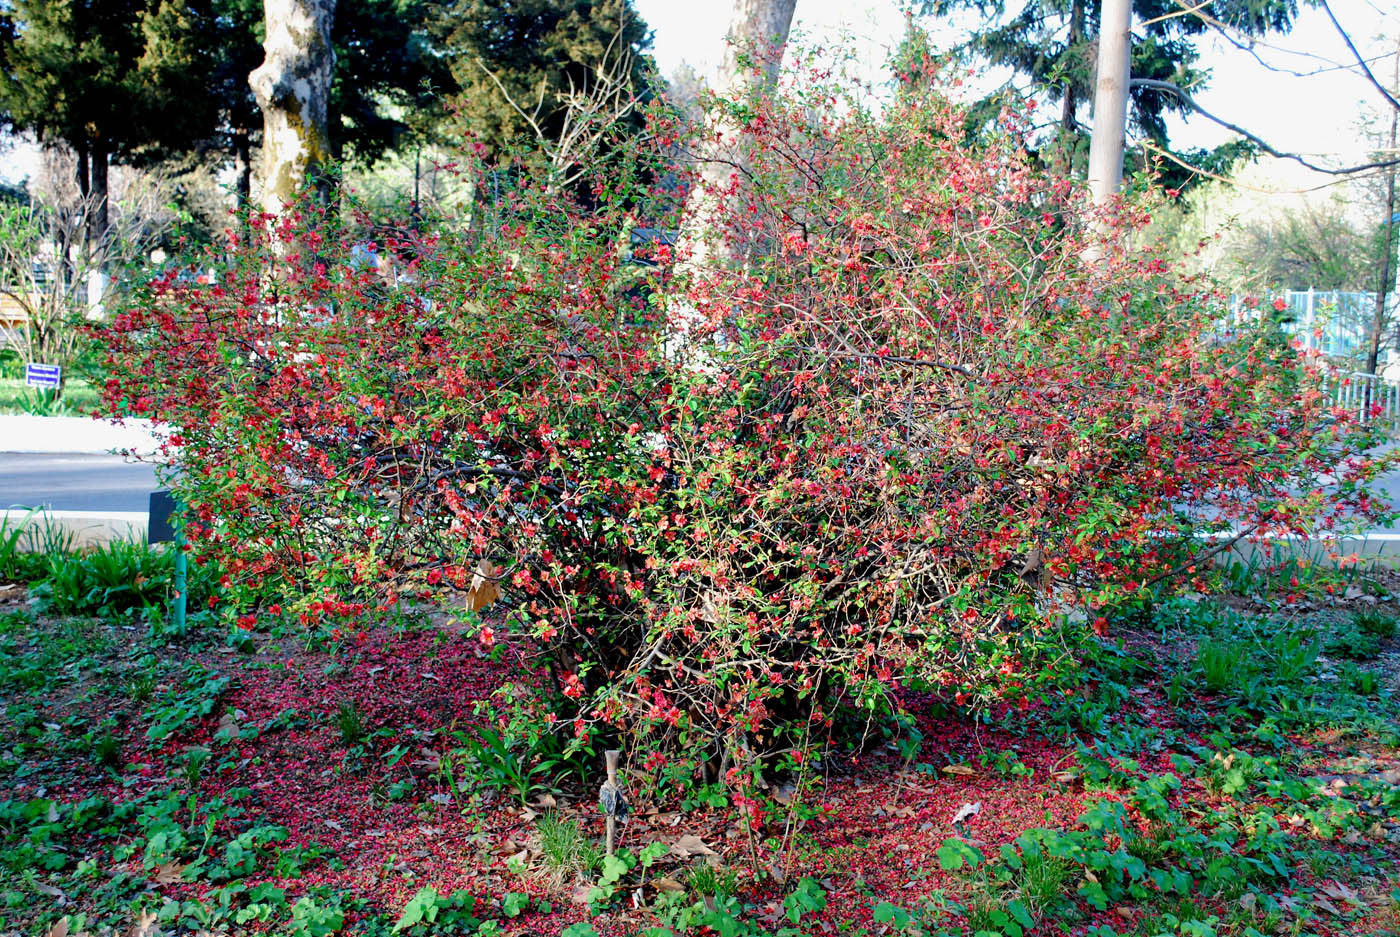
[75,435]
[81,530]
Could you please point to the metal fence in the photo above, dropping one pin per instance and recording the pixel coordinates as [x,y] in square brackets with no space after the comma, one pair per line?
[1335,322]
[1338,324]
[1370,397]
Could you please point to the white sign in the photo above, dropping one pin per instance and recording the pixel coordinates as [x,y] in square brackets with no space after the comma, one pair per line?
[43,375]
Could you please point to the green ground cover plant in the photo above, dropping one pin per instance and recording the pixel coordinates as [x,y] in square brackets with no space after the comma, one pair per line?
[1267,804]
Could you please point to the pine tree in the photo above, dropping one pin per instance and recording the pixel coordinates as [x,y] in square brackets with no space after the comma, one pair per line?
[1054,44]
[517,61]
[99,76]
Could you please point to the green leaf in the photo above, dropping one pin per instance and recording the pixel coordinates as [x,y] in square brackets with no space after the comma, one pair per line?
[1019,912]
[581,929]
[514,902]
[886,913]
[954,854]
[422,907]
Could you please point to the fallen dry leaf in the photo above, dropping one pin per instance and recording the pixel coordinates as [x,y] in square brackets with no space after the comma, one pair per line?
[1328,906]
[168,873]
[667,884]
[688,846]
[145,925]
[1340,892]
[963,770]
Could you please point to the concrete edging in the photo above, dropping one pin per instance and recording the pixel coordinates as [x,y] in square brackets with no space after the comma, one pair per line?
[75,435]
[82,530]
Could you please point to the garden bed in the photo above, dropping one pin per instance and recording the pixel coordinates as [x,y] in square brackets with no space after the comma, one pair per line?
[1216,771]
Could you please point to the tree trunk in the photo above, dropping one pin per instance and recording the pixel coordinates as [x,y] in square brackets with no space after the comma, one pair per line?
[756,28]
[84,179]
[1070,105]
[97,220]
[1110,101]
[1387,237]
[292,87]
[243,166]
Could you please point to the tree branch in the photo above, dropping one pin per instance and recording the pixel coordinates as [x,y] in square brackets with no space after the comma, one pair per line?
[1365,69]
[1186,99]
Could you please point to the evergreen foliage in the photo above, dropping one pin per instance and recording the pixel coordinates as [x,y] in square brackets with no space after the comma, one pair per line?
[538,51]
[1054,43]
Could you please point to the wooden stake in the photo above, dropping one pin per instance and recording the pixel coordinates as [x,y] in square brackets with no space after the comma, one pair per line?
[611,757]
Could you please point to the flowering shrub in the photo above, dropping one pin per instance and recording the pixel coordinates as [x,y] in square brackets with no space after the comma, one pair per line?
[885,443]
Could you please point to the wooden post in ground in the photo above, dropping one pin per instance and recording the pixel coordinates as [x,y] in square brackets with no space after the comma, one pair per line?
[610,802]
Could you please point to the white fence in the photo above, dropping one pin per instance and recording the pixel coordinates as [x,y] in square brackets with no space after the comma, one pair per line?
[1338,324]
[1363,393]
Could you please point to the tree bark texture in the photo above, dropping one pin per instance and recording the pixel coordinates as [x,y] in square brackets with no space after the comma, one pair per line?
[97,221]
[1069,107]
[758,31]
[243,166]
[1387,257]
[1110,100]
[292,87]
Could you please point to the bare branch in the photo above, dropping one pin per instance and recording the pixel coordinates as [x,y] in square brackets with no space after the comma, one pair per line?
[1365,70]
[1186,99]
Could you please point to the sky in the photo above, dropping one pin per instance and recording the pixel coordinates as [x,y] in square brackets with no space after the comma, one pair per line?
[1316,115]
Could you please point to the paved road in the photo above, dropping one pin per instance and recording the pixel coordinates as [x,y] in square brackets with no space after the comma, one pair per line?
[66,482]
[74,482]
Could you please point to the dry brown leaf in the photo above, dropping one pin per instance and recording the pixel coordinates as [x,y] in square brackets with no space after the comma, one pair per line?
[49,890]
[962,770]
[145,925]
[1340,892]
[168,873]
[59,929]
[546,802]
[1328,906]
[688,846]
[667,884]
[485,587]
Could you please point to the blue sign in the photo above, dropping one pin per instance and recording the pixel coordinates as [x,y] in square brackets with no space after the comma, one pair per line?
[42,375]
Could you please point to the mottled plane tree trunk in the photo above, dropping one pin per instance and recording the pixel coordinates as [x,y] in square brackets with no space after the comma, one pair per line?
[292,87]
[758,31]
